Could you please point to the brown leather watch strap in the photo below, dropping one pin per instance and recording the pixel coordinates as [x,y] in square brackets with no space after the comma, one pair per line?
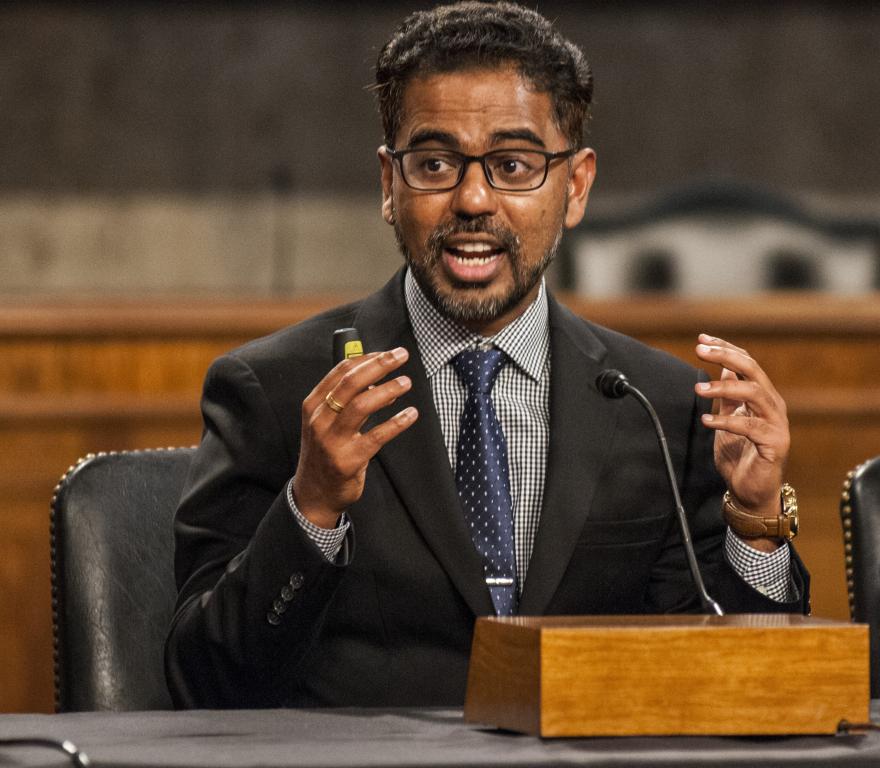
[783,526]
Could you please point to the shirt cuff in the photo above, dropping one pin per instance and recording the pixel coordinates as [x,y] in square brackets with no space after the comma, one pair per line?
[328,540]
[767,572]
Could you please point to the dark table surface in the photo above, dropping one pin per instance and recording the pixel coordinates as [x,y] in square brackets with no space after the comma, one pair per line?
[400,737]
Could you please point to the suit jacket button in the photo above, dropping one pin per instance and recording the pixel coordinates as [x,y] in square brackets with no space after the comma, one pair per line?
[297,580]
[273,618]
[279,606]
[287,594]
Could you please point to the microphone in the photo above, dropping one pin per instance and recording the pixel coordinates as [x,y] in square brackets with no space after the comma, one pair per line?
[614,385]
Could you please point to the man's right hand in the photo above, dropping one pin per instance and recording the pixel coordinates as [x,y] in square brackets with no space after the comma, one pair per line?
[334,453]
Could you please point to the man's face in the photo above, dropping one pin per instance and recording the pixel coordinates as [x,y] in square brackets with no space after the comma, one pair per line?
[478,252]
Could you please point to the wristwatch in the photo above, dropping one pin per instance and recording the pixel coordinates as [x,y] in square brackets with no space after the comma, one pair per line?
[783,526]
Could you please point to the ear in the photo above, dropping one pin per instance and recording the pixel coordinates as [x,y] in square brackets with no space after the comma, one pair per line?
[387,177]
[583,173]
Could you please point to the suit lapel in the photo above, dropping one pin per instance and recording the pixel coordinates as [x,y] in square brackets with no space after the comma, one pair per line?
[581,425]
[416,461]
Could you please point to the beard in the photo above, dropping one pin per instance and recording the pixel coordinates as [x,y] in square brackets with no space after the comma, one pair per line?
[463,302]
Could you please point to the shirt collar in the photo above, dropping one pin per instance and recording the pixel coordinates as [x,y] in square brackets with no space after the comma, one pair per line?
[526,341]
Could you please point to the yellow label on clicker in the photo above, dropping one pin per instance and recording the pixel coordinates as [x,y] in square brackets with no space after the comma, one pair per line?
[353,349]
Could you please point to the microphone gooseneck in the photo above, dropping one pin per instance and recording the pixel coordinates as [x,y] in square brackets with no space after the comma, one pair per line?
[613,384]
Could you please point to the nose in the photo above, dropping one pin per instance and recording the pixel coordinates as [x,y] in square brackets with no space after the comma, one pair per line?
[474,196]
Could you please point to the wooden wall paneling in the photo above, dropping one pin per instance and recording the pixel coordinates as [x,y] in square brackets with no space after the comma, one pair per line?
[90,365]
[25,613]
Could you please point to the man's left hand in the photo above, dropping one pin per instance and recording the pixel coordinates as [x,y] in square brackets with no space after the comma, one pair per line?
[752,437]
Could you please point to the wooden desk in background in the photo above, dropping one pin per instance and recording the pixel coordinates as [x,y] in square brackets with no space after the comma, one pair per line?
[83,377]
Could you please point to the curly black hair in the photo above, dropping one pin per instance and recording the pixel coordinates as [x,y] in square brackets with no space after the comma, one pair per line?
[469,35]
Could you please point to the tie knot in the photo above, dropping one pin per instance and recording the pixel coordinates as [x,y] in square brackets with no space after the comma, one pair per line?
[477,368]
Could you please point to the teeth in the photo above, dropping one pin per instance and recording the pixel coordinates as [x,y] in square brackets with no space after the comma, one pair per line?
[479,261]
[474,247]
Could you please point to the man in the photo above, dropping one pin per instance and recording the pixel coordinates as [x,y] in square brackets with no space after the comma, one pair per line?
[336,541]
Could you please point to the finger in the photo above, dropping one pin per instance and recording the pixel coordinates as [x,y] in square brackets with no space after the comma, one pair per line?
[366,403]
[732,392]
[332,379]
[717,341]
[345,457]
[770,440]
[737,361]
[367,373]
[734,359]
[726,406]
[371,442]
[719,403]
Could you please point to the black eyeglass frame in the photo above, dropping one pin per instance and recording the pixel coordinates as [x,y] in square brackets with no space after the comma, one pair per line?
[549,157]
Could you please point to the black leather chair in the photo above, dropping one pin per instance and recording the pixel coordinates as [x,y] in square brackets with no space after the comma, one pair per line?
[113,588]
[860,515]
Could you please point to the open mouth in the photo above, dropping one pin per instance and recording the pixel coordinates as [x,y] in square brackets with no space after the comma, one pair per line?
[473,261]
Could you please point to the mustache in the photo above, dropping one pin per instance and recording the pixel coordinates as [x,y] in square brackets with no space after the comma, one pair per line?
[481,225]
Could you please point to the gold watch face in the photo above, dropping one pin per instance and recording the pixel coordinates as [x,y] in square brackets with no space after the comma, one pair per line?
[790,509]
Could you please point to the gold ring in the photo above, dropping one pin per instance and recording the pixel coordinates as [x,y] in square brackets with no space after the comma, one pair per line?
[333,404]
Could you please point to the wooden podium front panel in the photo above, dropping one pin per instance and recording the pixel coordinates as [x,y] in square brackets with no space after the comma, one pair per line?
[752,674]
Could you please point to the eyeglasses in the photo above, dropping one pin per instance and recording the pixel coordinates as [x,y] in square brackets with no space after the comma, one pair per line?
[510,170]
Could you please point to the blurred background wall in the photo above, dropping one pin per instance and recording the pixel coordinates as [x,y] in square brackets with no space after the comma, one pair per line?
[205,148]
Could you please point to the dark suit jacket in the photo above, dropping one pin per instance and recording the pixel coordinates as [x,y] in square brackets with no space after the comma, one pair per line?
[393,627]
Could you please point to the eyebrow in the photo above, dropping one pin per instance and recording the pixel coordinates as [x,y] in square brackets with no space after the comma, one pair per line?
[520,133]
[448,139]
[441,137]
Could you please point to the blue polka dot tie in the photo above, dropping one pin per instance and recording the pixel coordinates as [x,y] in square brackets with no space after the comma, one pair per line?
[482,475]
